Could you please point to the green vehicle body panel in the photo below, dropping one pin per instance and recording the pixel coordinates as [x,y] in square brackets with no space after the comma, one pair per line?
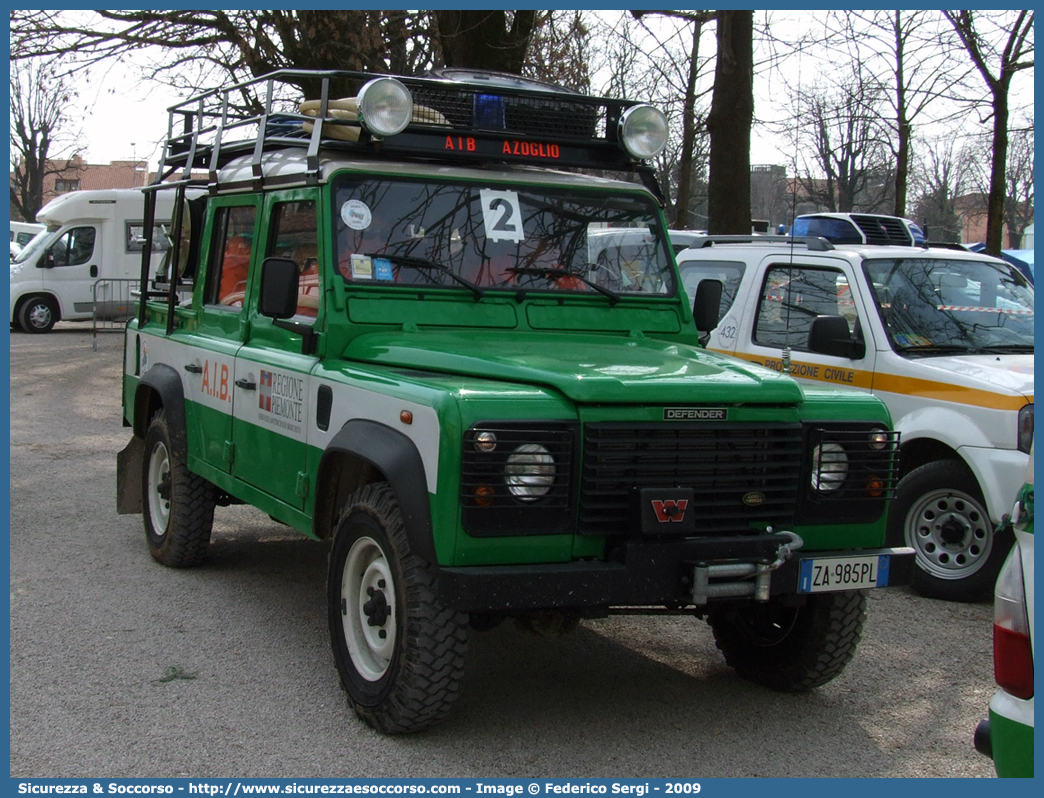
[1012,747]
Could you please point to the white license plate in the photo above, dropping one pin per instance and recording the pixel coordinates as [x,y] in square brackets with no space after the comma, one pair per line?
[827,574]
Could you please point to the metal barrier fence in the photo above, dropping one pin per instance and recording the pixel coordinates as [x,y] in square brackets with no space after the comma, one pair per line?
[115,303]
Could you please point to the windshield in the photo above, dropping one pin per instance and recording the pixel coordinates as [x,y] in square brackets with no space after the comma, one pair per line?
[936,306]
[38,243]
[496,237]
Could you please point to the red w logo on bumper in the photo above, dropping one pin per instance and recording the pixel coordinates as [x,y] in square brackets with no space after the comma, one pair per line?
[670,510]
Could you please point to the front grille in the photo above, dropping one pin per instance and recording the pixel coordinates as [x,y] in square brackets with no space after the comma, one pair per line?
[741,474]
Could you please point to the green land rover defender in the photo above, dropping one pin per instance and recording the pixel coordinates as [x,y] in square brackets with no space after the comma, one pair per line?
[405,322]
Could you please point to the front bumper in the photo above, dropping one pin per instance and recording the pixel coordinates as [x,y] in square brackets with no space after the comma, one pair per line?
[659,574]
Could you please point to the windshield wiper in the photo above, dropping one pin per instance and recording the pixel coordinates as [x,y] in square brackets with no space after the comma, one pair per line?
[425,264]
[554,274]
[1008,349]
[942,349]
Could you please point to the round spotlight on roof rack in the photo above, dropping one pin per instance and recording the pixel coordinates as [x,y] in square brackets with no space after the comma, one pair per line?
[643,131]
[385,106]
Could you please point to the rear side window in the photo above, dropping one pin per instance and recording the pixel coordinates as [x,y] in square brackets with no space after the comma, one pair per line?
[231,248]
[729,273]
[134,237]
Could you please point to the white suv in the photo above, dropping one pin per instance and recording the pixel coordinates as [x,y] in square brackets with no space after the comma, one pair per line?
[942,335]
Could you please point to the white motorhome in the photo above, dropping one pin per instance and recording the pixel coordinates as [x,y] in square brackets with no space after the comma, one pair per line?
[89,261]
[944,336]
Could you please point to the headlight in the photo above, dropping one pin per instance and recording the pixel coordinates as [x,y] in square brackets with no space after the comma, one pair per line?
[1026,428]
[385,107]
[829,467]
[530,472]
[643,131]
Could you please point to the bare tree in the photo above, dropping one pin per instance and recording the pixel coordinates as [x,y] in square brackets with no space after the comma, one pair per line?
[1000,45]
[201,48]
[1018,206]
[913,73]
[561,50]
[684,76]
[842,161]
[496,40]
[44,138]
[941,174]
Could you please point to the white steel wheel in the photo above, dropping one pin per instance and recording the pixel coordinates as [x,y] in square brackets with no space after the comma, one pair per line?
[158,489]
[399,651]
[177,505]
[369,617]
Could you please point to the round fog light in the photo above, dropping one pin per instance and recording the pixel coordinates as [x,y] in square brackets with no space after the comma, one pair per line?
[829,467]
[643,131]
[385,106]
[530,472]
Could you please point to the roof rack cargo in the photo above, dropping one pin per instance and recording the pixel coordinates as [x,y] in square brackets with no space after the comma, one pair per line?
[452,120]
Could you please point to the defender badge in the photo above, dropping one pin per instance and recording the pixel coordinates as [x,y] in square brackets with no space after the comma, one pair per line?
[695,414]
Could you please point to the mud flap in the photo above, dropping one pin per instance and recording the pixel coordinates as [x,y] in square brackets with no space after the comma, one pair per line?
[128,477]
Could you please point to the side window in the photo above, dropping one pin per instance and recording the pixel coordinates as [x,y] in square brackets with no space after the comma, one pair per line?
[231,246]
[294,234]
[729,273]
[792,296]
[134,238]
[74,248]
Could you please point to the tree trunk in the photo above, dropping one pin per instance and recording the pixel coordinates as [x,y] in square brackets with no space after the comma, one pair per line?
[483,40]
[995,200]
[729,122]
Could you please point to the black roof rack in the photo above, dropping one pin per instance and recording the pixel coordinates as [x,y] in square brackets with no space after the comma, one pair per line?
[458,121]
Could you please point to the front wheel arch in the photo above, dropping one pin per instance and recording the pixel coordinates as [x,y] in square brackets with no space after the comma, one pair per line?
[364,452]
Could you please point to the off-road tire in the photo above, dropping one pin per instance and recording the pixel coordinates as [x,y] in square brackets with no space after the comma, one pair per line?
[791,648]
[177,505]
[399,652]
[37,314]
[940,513]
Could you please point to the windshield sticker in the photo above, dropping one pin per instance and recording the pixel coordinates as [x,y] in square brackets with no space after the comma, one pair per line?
[382,269]
[501,215]
[909,339]
[362,267]
[356,214]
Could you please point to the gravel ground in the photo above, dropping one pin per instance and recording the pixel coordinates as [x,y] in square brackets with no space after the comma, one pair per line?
[122,668]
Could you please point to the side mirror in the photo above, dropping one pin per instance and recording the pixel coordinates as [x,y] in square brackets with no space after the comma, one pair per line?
[279,283]
[829,335]
[47,261]
[705,307]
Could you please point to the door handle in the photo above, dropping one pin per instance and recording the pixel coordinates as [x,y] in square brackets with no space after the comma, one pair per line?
[94,271]
[192,368]
[246,385]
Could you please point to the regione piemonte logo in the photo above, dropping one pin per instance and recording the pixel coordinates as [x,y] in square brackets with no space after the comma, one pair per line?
[264,393]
